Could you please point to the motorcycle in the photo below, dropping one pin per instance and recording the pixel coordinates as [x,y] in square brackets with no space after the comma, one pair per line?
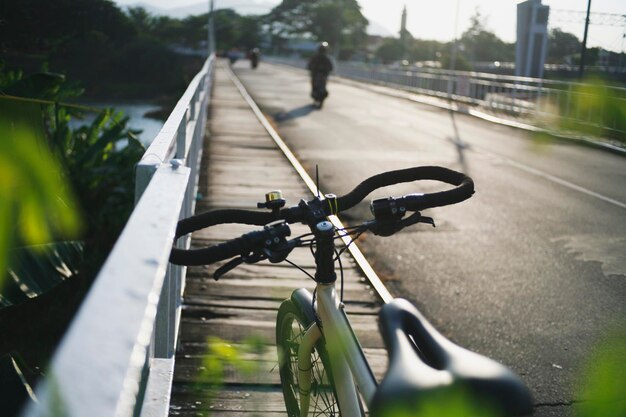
[318,91]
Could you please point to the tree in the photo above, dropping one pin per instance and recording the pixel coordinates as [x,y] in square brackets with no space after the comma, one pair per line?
[425,50]
[143,21]
[481,44]
[561,45]
[339,22]
[391,50]
[234,30]
[39,25]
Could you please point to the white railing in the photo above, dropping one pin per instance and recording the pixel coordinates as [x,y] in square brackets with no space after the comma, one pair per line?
[117,358]
[535,98]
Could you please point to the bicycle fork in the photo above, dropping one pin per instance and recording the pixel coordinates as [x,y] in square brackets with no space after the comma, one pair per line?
[345,355]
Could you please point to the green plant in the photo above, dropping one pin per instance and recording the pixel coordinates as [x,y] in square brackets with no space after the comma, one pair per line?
[50,171]
[96,159]
[596,109]
[36,206]
[602,383]
[100,159]
[223,358]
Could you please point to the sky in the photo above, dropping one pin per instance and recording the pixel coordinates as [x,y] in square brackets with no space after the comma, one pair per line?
[436,19]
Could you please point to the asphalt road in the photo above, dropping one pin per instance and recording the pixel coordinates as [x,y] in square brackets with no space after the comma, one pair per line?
[531,271]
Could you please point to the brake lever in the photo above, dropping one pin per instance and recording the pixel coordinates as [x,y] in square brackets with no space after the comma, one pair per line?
[388,227]
[250,258]
[228,266]
[417,218]
[274,253]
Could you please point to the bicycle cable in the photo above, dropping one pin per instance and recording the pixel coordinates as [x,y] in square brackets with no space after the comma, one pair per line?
[338,259]
[300,268]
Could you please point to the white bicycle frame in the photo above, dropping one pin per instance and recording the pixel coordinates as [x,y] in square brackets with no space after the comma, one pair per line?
[347,360]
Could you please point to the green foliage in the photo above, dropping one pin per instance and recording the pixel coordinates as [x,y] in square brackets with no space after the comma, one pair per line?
[598,106]
[35,205]
[223,357]
[481,45]
[339,22]
[460,63]
[602,383]
[233,30]
[391,50]
[426,50]
[100,159]
[97,160]
[454,402]
[477,44]
[35,270]
[39,25]
[561,45]
[113,55]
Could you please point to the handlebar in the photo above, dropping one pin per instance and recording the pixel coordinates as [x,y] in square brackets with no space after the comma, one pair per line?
[464,188]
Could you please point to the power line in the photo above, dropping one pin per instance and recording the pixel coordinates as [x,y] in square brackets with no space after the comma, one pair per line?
[576,16]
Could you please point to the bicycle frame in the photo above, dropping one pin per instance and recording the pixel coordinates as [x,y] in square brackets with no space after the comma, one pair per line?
[350,368]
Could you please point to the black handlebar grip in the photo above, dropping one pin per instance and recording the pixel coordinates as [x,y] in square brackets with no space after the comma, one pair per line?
[464,190]
[211,254]
[215,217]
[242,245]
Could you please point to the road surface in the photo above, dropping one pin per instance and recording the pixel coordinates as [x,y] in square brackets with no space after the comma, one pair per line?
[531,271]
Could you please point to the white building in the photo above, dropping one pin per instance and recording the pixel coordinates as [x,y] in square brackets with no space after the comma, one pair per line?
[532,38]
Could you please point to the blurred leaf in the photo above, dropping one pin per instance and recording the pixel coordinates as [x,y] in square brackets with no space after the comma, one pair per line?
[5,230]
[37,269]
[34,202]
[595,109]
[602,389]
[449,403]
[41,85]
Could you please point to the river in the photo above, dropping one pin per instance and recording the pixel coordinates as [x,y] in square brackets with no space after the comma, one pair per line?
[135,110]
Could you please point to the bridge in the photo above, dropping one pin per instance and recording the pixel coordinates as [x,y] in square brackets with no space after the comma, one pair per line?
[135,347]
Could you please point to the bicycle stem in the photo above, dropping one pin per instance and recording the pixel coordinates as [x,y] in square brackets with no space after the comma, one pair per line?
[325,251]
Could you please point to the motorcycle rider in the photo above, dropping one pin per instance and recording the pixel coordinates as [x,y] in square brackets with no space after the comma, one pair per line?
[319,66]
[254,57]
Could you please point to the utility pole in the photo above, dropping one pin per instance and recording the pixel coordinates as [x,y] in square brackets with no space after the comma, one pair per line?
[455,43]
[621,54]
[583,50]
[455,49]
[211,29]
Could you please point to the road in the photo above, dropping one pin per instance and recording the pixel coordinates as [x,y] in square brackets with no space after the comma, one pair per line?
[531,271]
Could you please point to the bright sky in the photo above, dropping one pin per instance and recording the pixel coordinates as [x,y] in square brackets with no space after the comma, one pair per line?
[436,19]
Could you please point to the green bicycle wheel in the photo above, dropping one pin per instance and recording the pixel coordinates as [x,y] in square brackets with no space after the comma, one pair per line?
[291,324]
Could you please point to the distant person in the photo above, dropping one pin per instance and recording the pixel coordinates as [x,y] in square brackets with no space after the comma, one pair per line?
[254,57]
[319,67]
[233,55]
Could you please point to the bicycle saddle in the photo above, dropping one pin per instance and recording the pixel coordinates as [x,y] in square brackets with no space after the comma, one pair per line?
[430,375]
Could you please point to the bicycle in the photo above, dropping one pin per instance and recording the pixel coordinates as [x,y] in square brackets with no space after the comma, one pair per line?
[322,366]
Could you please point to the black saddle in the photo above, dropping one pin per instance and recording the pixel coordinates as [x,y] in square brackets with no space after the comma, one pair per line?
[430,375]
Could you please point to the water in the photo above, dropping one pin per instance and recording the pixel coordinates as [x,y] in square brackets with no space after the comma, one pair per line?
[136,111]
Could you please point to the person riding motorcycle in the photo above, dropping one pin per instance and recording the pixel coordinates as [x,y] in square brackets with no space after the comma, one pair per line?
[254,57]
[319,66]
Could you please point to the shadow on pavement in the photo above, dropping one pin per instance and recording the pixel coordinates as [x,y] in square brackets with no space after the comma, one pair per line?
[459,144]
[294,113]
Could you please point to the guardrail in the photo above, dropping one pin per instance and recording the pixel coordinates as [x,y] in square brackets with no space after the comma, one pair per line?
[535,98]
[117,358]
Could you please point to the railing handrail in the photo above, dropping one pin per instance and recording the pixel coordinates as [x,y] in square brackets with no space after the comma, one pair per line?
[536,98]
[442,71]
[103,365]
